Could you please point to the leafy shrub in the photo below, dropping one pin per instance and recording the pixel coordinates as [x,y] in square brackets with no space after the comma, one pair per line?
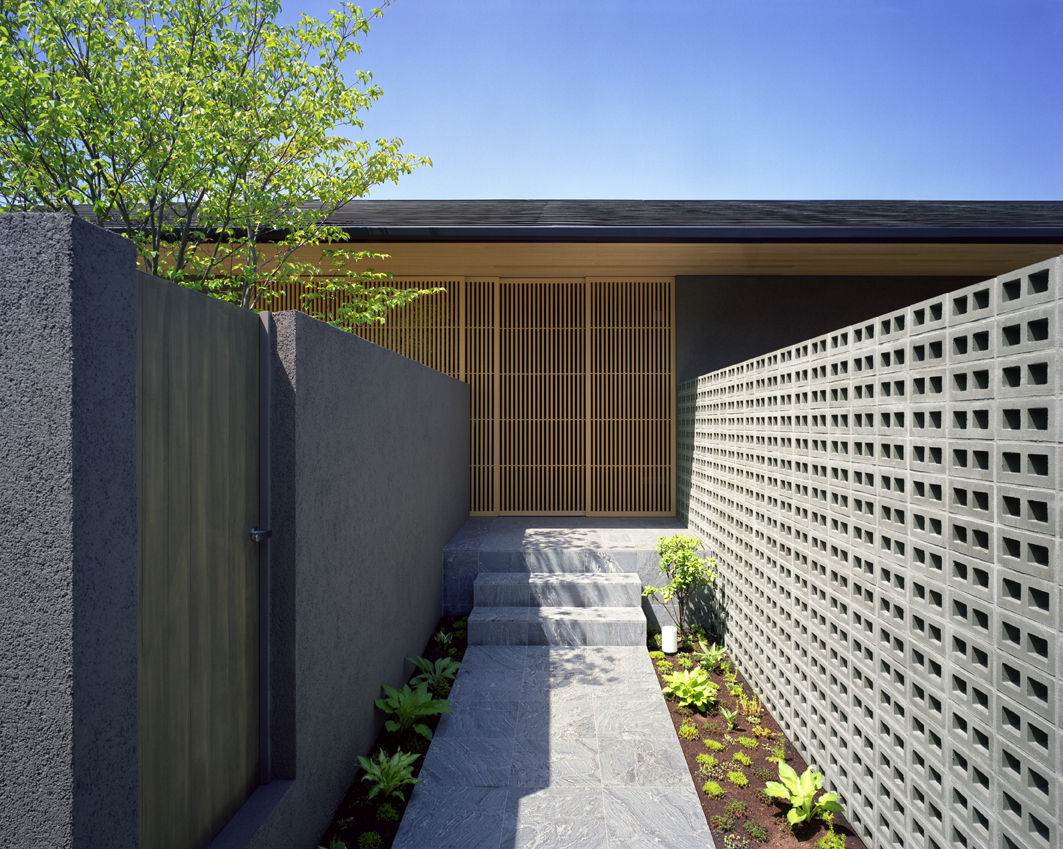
[409,706]
[831,840]
[799,791]
[730,716]
[711,656]
[385,812]
[722,822]
[439,676]
[388,774]
[713,745]
[748,743]
[755,830]
[737,778]
[370,840]
[686,571]
[742,758]
[691,688]
[713,789]
[737,808]
[688,731]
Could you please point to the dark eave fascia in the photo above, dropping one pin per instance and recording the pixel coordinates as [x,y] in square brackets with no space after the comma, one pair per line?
[705,234]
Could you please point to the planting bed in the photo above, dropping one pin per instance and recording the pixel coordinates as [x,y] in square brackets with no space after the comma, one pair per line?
[734,817]
[358,815]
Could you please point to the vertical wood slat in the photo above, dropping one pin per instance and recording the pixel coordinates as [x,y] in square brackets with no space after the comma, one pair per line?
[587,425]
[197,432]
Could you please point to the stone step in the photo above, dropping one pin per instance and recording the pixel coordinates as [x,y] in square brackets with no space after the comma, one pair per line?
[537,589]
[557,626]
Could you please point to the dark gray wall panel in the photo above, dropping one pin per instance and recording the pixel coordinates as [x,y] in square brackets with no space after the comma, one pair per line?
[723,320]
[68,619]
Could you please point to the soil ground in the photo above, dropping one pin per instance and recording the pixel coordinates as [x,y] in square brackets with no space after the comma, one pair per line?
[731,830]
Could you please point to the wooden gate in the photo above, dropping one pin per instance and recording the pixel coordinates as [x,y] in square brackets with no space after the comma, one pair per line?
[197,435]
[572,386]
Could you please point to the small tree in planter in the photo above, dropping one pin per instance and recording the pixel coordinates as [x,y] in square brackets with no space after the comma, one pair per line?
[687,572]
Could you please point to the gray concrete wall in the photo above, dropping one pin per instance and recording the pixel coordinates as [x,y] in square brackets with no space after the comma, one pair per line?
[68,564]
[721,320]
[369,480]
[884,502]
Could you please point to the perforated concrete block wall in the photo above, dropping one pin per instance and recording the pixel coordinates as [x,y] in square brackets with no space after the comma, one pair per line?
[884,503]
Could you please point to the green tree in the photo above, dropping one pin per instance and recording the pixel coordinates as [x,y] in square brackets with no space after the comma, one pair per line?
[207,132]
[687,572]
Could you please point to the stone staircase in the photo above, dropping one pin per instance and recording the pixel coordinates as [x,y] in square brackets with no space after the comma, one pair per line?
[568,606]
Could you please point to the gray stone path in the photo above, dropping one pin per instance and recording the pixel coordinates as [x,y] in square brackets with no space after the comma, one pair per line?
[550,748]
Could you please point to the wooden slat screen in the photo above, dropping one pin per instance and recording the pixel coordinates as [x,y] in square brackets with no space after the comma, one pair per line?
[571,386]
[631,372]
[542,403]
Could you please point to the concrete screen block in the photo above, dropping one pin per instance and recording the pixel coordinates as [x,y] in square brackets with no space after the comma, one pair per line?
[905,468]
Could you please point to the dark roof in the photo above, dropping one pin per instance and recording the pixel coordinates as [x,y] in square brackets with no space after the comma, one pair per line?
[709,220]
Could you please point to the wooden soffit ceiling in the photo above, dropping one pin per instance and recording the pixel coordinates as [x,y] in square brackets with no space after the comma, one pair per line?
[560,259]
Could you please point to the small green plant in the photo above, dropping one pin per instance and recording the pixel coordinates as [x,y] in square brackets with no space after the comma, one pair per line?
[684,661]
[461,627]
[748,743]
[734,840]
[713,745]
[711,656]
[742,758]
[712,789]
[445,640]
[691,688]
[722,822]
[687,572]
[762,796]
[688,731]
[831,840]
[762,731]
[656,640]
[334,843]
[737,809]
[706,761]
[665,665]
[730,716]
[734,690]
[755,830]
[657,655]
[737,778]
[763,773]
[388,774]
[439,676]
[370,840]
[409,706]
[385,812]
[778,754]
[799,791]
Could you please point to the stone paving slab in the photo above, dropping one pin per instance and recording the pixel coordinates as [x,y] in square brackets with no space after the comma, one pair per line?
[552,748]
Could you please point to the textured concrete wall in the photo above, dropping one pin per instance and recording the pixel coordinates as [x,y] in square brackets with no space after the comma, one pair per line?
[722,320]
[884,502]
[68,565]
[369,480]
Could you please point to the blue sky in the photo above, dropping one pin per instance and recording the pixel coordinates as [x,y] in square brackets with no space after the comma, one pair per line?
[707,99]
